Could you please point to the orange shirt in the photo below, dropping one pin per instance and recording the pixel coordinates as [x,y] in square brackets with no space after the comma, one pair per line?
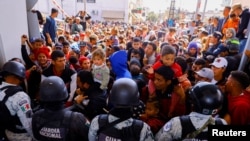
[231,23]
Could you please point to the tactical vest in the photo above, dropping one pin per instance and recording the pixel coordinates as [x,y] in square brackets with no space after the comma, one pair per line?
[51,127]
[8,121]
[188,127]
[131,133]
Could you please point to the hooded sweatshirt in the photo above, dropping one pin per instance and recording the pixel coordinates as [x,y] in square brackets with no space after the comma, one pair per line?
[119,64]
[195,46]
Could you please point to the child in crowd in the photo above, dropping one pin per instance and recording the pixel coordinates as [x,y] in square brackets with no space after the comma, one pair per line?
[34,43]
[114,38]
[167,58]
[170,37]
[151,115]
[230,34]
[100,70]
[137,76]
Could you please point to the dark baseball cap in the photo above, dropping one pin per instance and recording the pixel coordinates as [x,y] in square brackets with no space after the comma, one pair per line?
[217,35]
[82,44]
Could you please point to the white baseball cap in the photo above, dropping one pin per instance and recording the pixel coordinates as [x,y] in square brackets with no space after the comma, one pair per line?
[220,62]
[206,73]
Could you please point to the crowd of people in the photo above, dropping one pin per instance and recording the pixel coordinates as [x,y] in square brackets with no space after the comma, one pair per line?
[114,81]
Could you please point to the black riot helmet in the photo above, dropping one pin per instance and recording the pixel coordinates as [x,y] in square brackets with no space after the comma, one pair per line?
[124,93]
[206,98]
[14,68]
[53,89]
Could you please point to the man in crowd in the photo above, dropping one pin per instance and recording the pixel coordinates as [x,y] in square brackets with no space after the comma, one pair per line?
[60,69]
[50,27]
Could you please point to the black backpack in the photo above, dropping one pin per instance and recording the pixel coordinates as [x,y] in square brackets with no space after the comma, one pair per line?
[5,116]
[107,131]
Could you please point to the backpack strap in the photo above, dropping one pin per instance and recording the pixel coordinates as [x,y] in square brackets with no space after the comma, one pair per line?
[133,132]
[66,122]
[187,126]
[11,90]
[199,132]
[102,121]
[137,127]
[67,118]
[130,133]
[195,133]
[5,87]
[104,124]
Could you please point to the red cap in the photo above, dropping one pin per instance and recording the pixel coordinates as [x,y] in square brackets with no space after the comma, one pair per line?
[44,50]
[82,34]
[83,58]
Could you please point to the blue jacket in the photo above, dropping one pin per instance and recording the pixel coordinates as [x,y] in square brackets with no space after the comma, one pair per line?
[119,64]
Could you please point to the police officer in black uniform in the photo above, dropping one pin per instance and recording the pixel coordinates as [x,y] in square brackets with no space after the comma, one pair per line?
[54,122]
[118,124]
[207,99]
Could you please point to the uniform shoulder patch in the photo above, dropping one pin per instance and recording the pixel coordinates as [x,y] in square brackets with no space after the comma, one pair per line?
[167,126]
[25,106]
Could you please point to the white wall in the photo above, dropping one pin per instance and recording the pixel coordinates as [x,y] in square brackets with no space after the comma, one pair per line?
[44,6]
[116,5]
[244,3]
[71,7]
[13,25]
